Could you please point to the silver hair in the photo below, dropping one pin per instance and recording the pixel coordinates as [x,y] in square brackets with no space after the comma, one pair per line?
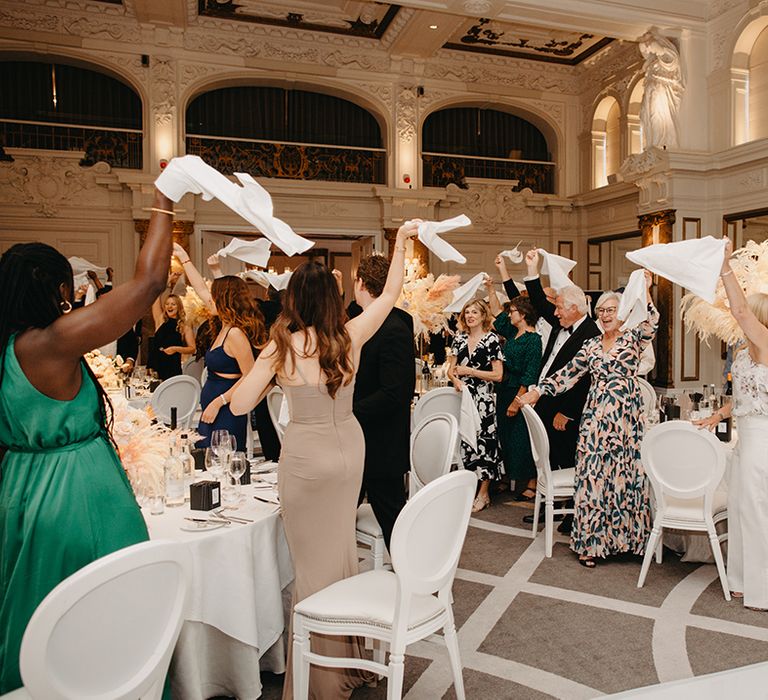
[574,296]
[607,296]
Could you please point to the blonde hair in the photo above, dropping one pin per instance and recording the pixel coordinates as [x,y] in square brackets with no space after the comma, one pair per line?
[758,304]
[485,311]
[181,317]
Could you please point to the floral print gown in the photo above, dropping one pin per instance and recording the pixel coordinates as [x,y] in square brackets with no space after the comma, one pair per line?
[612,504]
[486,461]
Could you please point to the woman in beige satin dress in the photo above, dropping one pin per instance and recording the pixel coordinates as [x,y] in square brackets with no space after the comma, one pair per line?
[314,355]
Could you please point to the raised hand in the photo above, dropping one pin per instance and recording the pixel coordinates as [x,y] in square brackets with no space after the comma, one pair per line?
[180,253]
[532,259]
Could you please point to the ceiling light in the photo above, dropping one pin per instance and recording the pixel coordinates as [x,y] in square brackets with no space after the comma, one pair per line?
[433,26]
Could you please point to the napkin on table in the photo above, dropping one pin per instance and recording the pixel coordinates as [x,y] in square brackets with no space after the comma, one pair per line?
[429,235]
[694,264]
[190,174]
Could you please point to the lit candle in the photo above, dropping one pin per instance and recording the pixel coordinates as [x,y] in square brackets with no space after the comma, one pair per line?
[655,233]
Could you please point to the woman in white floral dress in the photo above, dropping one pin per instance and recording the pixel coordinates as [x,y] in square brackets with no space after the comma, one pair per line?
[612,504]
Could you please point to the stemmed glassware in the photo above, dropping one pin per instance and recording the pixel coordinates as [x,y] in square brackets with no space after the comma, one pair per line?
[236,466]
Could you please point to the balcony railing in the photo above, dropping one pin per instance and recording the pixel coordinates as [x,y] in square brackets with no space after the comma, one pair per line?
[121,148]
[295,161]
[443,169]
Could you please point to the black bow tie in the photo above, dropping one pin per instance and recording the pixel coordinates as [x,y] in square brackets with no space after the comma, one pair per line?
[568,330]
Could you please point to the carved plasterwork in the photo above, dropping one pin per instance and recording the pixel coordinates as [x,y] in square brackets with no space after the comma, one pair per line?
[192,72]
[97,28]
[718,7]
[163,89]
[382,91]
[406,114]
[24,19]
[397,25]
[753,180]
[46,184]
[364,61]
[554,110]
[130,63]
[718,48]
[493,206]
[638,164]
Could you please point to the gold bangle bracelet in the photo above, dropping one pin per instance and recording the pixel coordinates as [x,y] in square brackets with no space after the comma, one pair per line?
[725,274]
[162,211]
[184,262]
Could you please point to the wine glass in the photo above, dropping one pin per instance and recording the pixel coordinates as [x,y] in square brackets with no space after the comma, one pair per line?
[236,465]
[213,464]
[220,442]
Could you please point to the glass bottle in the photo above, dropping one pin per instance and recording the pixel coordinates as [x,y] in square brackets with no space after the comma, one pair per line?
[174,479]
[185,454]
[724,428]
[426,378]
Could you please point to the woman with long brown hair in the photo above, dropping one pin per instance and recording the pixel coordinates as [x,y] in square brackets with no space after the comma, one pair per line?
[237,329]
[314,353]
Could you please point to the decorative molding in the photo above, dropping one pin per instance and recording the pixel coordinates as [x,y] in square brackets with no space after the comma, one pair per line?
[492,206]
[406,113]
[719,7]
[383,91]
[94,28]
[163,71]
[31,21]
[554,110]
[397,25]
[753,180]
[192,72]
[127,62]
[639,164]
[718,48]
[49,182]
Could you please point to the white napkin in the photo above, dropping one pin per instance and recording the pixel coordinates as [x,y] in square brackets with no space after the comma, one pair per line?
[465,293]
[268,279]
[284,417]
[252,252]
[80,267]
[251,201]
[514,255]
[429,235]
[90,295]
[469,424]
[693,264]
[557,267]
[633,307]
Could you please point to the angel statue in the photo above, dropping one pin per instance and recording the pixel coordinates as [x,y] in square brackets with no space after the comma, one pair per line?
[663,90]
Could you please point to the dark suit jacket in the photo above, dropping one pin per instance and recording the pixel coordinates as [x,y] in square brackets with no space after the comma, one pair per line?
[384,388]
[570,403]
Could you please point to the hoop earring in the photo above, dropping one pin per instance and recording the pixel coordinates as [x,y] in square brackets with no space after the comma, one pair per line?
[65,306]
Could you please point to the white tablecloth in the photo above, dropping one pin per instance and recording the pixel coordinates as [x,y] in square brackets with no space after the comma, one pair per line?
[239,573]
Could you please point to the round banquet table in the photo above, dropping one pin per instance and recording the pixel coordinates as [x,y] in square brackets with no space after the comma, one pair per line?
[237,602]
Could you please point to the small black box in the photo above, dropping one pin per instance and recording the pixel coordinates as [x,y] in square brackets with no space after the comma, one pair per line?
[204,495]
[245,479]
[198,454]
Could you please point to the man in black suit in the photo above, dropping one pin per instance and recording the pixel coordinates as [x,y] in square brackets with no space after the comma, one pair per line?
[384,388]
[571,326]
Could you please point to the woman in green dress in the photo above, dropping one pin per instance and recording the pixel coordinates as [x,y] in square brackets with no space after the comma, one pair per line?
[522,363]
[64,497]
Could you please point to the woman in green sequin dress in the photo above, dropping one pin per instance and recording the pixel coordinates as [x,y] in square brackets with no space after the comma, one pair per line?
[64,497]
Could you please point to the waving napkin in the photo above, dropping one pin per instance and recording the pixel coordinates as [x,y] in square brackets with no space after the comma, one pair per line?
[429,235]
[557,267]
[80,267]
[633,307]
[465,293]
[693,264]
[514,255]
[469,422]
[268,279]
[252,252]
[251,201]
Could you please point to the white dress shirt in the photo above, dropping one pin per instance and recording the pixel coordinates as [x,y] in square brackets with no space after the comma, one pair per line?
[560,340]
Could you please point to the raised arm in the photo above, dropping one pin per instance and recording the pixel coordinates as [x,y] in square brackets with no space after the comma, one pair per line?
[362,327]
[493,299]
[755,331]
[194,277]
[78,332]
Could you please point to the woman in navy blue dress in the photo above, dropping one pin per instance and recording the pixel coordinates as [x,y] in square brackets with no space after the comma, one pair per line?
[237,328]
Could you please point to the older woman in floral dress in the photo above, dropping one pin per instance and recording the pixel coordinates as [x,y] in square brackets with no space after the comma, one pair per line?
[612,506]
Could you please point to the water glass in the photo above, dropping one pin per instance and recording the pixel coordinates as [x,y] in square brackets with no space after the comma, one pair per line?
[236,466]
[220,442]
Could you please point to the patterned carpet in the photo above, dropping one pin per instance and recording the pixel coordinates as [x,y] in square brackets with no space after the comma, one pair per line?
[532,628]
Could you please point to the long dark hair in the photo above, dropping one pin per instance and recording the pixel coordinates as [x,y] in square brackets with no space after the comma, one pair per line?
[235,307]
[312,300]
[31,277]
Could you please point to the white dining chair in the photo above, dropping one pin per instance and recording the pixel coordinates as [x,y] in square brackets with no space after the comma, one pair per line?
[441,400]
[194,368]
[397,607]
[552,485]
[649,396]
[274,404]
[430,457]
[685,465]
[109,630]
[183,392]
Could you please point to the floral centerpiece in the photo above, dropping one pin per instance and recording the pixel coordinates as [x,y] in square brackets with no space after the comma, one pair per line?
[425,298]
[106,369]
[195,310]
[750,266]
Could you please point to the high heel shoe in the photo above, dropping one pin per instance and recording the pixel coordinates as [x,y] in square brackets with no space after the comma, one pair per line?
[480,503]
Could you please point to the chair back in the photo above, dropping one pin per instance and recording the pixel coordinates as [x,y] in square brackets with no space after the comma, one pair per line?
[194,368]
[109,630]
[649,396]
[442,400]
[537,434]
[682,461]
[432,446]
[429,533]
[274,403]
[183,392]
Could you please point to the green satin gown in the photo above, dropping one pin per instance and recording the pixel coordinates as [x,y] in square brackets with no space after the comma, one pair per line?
[64,500]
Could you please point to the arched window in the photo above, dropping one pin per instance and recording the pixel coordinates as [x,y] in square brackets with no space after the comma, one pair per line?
[606,141]
[461,142]
[634,127]
[274,132]
[757,126]
[58,106]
